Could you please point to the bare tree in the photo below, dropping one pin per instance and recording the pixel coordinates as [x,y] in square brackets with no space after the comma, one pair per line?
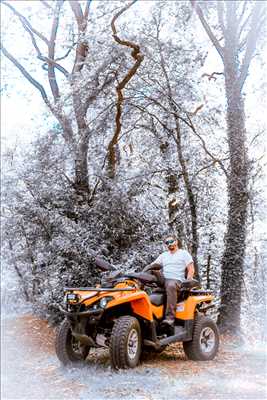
[240,24]
[76,131]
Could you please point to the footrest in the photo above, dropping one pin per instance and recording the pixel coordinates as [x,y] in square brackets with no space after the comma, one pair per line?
[180,334]
[179,330]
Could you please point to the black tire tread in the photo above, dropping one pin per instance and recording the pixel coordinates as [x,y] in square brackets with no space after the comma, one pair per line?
[191,348]
[118,341]
[63,348]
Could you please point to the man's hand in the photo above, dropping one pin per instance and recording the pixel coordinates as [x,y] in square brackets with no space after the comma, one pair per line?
[147,268]
[190,271]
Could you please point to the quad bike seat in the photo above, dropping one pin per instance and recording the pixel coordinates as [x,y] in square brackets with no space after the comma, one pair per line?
[157,298]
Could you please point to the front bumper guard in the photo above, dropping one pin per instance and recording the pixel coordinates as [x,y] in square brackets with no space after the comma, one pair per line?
[96,313]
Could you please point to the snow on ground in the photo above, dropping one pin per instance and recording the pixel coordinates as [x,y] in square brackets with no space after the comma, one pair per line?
[30,370]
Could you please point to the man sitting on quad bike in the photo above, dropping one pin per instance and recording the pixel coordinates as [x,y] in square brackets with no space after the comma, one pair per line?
[174,263]
[125,314]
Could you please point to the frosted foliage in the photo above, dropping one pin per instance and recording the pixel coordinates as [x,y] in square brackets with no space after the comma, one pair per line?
[171,160]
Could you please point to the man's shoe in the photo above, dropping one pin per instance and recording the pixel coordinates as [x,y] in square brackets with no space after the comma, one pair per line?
[168,321]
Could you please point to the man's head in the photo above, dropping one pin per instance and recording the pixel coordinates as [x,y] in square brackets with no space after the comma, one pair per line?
[171,242]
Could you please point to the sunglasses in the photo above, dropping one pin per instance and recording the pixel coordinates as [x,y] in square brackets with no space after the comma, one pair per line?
[168,242]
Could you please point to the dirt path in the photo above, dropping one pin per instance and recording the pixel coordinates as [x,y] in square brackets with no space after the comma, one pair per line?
[30,370]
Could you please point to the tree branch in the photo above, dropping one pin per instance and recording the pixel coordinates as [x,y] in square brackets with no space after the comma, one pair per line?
[207,28]
[212,164]
[243,25]
[251,41]
[174,105]
[31,31]
[67,53]
[51,52]
[26,23]
[77,11]
[215,159]
[54,63]
[145,110]
[26,74]
[65,124]
[220,12]
[93,192]
[98,89]
[46,4]
[245,2]
[242,43]
[19,273]
[212,76]
[138,57]
[197,109]
[86,11]
[82,47]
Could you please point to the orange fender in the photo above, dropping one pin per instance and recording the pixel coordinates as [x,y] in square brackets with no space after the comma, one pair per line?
[186,309]
[139,301]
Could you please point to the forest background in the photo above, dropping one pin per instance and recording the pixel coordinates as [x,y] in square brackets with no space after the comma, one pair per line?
[123,122]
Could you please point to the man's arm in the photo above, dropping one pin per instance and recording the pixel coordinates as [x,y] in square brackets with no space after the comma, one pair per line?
[156,265]
[153,266]
[190,271]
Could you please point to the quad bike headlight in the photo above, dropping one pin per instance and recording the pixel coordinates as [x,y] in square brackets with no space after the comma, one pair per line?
[104,301]
[71,298]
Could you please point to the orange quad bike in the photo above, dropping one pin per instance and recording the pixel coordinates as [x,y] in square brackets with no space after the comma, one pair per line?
[125,315]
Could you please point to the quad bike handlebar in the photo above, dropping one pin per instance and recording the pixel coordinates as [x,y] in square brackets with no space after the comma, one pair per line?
[150,267]
[146,276]
[103,265]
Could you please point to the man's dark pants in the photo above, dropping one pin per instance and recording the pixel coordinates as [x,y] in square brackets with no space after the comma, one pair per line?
[172,287]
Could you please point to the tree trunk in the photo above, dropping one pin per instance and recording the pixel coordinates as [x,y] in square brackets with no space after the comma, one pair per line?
[190,197]
[235,237]
[81,148]
[173,206]
[172,187]
[208,271]
[19,273]
[241,30]
[81,163]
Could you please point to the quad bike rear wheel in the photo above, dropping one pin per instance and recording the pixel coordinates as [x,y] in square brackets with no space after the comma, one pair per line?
[125,343]
[68,349]
[205,342]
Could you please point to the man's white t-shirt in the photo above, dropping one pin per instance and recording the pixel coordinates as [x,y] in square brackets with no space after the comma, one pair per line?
[174,264]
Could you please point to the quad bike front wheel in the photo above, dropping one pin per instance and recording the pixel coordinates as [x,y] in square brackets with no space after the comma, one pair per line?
[125,343]
[68,349]
[205,342]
